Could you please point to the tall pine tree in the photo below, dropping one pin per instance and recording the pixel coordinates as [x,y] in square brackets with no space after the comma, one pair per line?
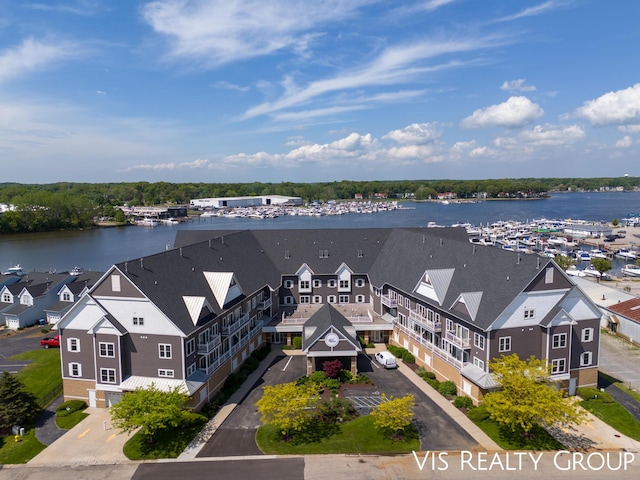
[17,405]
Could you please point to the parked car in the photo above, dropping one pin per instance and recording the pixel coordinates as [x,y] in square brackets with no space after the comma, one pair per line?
[50,341]
[386,359]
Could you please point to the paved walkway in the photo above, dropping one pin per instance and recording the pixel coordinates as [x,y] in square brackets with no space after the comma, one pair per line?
[47,431]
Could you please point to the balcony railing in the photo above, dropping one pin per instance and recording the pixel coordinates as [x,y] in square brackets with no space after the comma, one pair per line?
[432,325]
[217,363]
[264,304]
[388,301]
[450,359]
[457,341]
[236,325]
[206,348]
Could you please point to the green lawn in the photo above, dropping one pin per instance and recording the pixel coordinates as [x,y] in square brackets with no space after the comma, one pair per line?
[12,452]
[614,415]
[356,436]
[169,443]
[43,374]
[70,421]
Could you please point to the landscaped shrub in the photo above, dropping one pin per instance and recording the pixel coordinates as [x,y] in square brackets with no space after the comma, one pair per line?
[318,377]
[478,414]
[408,357]
[345,376]
[435,384]
[332,384]
[395,351]
[463,402]
[332,368]
[70,406]
[447,388]
[296,342]
[262,352]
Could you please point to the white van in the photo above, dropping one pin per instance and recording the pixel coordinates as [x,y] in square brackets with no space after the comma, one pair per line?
[386,359]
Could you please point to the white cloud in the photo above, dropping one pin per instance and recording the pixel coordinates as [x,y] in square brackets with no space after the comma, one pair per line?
[198,163]
[216,32]
[35,55]
[629,128]
[532,11]
[624,142]
[395,65]
[517,86]
[614,108]
[542,136]
[78,7]
[230,86]
[416,134]
[514,113]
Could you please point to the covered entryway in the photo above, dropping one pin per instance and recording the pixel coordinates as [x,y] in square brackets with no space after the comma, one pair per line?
[328,335]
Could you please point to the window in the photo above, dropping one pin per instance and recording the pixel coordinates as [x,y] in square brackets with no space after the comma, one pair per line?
[305,299]
[317,299]
[288,300]
[191,345]
[191,369]
[343,299]
[331,283]
[75,369]
[66,297]
[450,326]
[585,359]
[529,313]
[478,363]
[73,344]
[138,321]
[162,372]
[359,282]
[359,298]
[478,341]
[115,283]
[557,365]
[360,254]
[6,297]
[504,344]
[108,375]
[305,284]
[288,284]
[331,299]
[165,350]
[344,284]
[317,283]
[407,302]
[559,340]
[587,334]
[107,349]
[287,255]
[323,253]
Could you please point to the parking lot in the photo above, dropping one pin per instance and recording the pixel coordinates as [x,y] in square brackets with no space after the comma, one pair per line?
[236,436]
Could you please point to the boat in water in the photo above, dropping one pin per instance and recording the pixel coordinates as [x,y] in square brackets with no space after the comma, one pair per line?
[147,222]
[15,270]
[76,271]
[574,271]
[631,270]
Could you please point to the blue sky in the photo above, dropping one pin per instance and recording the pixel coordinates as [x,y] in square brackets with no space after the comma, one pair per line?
[295,90]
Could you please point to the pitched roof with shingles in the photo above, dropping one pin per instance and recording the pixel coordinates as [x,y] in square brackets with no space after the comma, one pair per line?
[397,257]
[325,318]
[629,309]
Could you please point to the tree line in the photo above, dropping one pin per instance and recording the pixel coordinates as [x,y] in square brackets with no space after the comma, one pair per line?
[69,205]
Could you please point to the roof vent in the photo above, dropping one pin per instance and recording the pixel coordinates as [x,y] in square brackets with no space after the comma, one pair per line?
[507,278]
[180,251]
[142,264]
[126,267]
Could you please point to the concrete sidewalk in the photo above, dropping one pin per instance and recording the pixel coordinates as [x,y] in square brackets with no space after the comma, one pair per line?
[93,441]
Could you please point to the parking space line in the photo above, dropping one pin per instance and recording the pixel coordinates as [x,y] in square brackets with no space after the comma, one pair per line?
[287,364]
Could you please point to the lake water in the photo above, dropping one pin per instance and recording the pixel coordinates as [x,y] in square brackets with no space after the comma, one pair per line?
[100,248]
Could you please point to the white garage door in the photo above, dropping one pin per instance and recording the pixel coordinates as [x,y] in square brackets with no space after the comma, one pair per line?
[113,398]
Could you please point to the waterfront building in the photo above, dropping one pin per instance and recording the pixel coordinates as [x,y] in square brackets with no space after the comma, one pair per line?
[252,201]
[190,316]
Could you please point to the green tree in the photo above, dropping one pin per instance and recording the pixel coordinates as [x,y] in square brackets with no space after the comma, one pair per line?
[527,397]
[615,222]
[602,265]
[288,406]
[17,405]
[564,262]
[150,409]
[394,414]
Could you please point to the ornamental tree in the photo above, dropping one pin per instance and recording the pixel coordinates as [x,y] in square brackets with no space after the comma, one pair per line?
[394,414]
[332,368]
[150,409]
[602,265]
[288,406]
[527,397]
[17,405]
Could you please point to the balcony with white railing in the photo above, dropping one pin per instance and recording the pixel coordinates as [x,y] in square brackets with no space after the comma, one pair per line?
[265,304]
[217,363]
[435,349]
[208,347]
[432,325]
[457,341]
[388,301]
[236,325]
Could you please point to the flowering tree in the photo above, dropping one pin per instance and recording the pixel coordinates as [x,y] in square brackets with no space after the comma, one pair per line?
[394,414]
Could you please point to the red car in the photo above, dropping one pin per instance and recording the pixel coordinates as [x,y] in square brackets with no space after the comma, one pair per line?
[50,341]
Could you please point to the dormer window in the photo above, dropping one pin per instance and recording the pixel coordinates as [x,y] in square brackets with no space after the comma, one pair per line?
[6,297]
[529,313]
[66,297]
[288,284]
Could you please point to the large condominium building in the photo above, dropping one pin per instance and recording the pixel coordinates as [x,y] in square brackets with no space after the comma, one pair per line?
[189,316]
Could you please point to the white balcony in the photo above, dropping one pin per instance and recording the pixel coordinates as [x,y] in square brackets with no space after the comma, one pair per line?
[388,301]
[236,325]
[457,341]
[206,348]
[450,359]
[265,304]
[431,325]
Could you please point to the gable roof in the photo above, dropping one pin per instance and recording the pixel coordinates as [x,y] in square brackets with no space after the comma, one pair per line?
[629,309]
[325,319]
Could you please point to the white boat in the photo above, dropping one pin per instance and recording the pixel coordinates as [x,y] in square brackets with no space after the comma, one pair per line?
[631,270]
[592,272]
[583,256]
[597,253]
[147,222]
[76,271]
[15,270]
[626,254]
[557,241]
[575,271]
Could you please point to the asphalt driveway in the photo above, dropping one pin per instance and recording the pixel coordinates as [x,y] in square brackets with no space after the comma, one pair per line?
[236,435]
